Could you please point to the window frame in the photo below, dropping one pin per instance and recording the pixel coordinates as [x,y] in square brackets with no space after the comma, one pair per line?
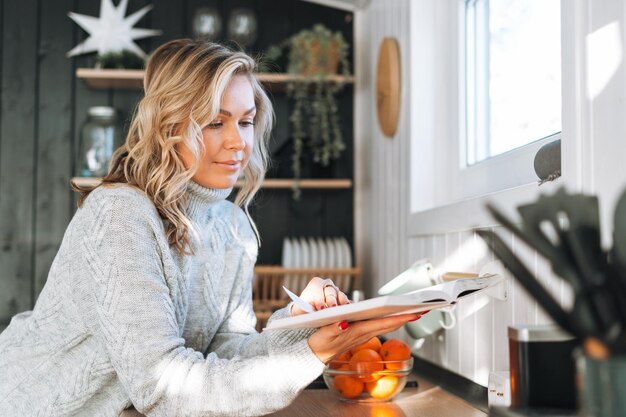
[434,206]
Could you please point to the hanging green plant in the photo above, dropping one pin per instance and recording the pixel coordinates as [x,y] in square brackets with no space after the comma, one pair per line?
[314,55]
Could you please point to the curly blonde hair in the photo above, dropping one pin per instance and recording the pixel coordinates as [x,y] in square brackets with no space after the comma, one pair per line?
[184,82]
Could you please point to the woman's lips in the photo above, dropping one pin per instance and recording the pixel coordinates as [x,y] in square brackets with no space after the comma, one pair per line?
[229,165]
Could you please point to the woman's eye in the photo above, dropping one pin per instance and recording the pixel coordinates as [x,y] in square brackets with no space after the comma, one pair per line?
[246,123]
[214,125]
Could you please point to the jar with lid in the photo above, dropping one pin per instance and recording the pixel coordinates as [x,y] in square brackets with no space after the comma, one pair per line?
[100,136]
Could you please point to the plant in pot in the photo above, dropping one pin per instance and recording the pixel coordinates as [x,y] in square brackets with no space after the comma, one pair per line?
[314,55]
[124,59]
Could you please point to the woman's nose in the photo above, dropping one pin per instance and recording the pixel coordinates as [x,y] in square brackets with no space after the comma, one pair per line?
[234,140]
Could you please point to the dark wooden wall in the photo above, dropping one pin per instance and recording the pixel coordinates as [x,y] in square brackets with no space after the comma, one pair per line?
[43,105]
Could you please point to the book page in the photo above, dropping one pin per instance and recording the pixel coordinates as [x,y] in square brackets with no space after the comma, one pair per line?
[437,296]
[363,310]
[430,295]
[453,290]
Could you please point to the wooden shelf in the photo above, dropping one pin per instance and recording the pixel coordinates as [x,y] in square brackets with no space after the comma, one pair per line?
[307,183]
[276,183]
[111,78]
[133,79]
[275,78]
[84,181]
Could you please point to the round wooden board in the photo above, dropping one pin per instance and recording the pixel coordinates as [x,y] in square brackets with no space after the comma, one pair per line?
[388,86]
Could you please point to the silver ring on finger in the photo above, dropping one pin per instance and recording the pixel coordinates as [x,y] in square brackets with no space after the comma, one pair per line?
[333,286]
[335,290]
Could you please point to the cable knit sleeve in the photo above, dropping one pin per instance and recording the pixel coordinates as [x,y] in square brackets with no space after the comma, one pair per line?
[136,320]
[237,335]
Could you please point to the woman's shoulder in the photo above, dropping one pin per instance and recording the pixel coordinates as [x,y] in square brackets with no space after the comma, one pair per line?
[120,197]
[118,191]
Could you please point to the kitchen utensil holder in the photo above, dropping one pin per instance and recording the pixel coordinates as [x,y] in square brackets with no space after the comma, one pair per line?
[603,385]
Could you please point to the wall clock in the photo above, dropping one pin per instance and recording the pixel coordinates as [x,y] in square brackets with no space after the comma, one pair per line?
[388,86]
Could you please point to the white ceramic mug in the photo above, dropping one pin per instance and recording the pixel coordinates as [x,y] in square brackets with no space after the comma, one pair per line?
[420,275]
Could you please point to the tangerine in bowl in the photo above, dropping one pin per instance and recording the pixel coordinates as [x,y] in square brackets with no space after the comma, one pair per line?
[363,374]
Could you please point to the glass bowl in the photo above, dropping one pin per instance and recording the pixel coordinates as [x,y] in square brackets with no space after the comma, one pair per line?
[374,381]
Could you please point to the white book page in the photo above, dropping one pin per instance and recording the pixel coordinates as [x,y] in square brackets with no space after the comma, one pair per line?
[363,310]
[437,296]
[453,290]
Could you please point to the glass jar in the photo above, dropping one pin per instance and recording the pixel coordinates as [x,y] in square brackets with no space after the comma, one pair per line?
[100,136]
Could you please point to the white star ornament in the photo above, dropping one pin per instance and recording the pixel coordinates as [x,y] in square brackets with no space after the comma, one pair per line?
[111,32]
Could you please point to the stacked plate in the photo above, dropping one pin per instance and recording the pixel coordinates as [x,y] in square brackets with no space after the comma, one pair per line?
[322,253]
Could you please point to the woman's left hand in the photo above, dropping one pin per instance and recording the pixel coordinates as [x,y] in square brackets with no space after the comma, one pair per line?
[320,293]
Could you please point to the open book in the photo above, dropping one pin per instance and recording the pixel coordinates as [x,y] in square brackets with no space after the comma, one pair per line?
[437,296]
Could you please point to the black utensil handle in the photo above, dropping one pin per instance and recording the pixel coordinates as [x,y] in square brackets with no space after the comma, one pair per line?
[531,239]
[594,312]
[527,279]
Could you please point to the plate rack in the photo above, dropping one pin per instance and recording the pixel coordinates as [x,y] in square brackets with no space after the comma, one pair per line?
[267,288]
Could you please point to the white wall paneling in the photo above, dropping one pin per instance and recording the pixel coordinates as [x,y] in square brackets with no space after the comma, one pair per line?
[451,349]
[593,149]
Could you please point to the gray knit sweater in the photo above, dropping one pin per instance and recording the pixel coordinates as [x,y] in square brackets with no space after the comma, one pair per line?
[124,319]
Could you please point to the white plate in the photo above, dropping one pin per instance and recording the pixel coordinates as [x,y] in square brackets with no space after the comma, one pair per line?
[330,253]
[347,254]
[314,261]
[298,263]
[287,253]
[347,261]
[297,251]
[304,254]
[340,261]
[321,253]
[288,259]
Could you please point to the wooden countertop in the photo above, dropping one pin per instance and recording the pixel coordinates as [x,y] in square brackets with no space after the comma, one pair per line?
[426,400]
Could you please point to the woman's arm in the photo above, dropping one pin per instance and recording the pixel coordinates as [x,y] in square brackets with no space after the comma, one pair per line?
[237,335]
[141,332]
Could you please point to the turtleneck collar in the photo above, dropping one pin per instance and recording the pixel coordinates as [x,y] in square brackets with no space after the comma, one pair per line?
[200,199]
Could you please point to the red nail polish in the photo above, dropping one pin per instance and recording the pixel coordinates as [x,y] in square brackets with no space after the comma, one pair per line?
[343,325]
[322,307]
[416,318]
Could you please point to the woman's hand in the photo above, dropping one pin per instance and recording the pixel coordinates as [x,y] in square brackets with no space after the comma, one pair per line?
[334,339]
[320,293]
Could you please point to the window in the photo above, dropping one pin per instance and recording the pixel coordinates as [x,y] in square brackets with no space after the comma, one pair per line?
[512,75]
[485,96]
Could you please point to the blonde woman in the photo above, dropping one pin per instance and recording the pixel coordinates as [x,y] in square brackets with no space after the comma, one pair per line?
[148,301]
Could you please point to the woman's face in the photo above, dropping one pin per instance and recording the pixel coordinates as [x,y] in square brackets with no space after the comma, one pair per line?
[228,139]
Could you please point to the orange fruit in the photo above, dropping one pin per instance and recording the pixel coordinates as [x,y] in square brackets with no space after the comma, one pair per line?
[373,343]
[345,356]
[382,388]
[347,386]
[367,363]
[340,360]
[342,366]
[395,350]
